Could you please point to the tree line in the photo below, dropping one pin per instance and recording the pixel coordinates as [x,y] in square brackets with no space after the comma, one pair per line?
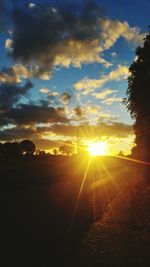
[28,148]
[16,149]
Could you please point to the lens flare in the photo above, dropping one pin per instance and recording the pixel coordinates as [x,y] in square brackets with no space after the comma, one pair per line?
[97,148]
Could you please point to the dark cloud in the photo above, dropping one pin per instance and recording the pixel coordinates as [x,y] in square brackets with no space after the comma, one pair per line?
[104,129]
[65,98]
[16,133]
[10,94]
[28,114]
[78,111]
[43,34]
[115,129]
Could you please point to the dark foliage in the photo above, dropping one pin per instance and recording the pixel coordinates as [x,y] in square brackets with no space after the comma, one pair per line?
[27,147]
[138,99]
[15,149]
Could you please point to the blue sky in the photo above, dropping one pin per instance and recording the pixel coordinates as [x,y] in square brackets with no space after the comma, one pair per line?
[64,64]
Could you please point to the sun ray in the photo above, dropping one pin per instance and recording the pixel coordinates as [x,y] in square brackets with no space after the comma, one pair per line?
[134,160]
[109,175]
[81,189]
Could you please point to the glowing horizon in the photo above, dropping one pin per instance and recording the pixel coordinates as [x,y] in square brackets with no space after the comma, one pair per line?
[97,148]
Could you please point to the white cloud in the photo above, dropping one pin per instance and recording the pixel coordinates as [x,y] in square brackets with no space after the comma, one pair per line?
[53,94]
[112,30]
[87,85]
[44,90]
[76,53]
[14,74]
[8,44]
[111,100]
[32,5]
[103,94]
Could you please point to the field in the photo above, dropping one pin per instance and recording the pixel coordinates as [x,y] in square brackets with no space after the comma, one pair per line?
[52,211]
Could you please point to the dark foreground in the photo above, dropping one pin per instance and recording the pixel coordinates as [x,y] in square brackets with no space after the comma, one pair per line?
[71,212]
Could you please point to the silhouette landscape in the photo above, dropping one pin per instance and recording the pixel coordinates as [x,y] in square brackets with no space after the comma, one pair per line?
[74,133]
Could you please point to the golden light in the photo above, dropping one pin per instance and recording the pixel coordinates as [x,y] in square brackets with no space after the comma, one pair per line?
[97,148]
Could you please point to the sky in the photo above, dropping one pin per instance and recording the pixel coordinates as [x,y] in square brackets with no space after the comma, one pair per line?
[64,69]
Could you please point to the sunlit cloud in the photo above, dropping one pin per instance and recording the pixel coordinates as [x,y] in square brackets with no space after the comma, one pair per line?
[17,72]
[64,38]
[87,85]
[8,45]
[90,131]
[109,101]
[79,111]
[14,74]
[114,29]
[104,94]
[65,98]
[53,94]
[44,90]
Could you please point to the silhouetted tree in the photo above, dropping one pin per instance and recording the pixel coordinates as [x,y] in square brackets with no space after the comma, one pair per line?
[27,147]
[121,154]
[55,152]
[67,149]
[138,99]
[42,153]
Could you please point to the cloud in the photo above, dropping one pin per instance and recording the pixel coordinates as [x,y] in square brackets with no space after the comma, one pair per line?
[104,94]
[89,131]
[66,34]
[65,98]
[9,76]
[87,85]
[51,94]
[8,45]
[92,109]
[15,74]
[114,29]
[109,101]
[85,111]
[44,90]
[10,94]
[78,111]
[54,97]
[32,5]
[31,114]
[17,133]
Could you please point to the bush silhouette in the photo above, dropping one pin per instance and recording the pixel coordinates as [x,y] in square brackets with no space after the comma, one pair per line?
[27,147]
[15,149]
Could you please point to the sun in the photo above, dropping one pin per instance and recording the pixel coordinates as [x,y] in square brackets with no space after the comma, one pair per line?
[97,148]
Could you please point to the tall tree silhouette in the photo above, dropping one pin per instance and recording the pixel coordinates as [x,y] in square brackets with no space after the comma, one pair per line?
[27,147]
[138,99]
